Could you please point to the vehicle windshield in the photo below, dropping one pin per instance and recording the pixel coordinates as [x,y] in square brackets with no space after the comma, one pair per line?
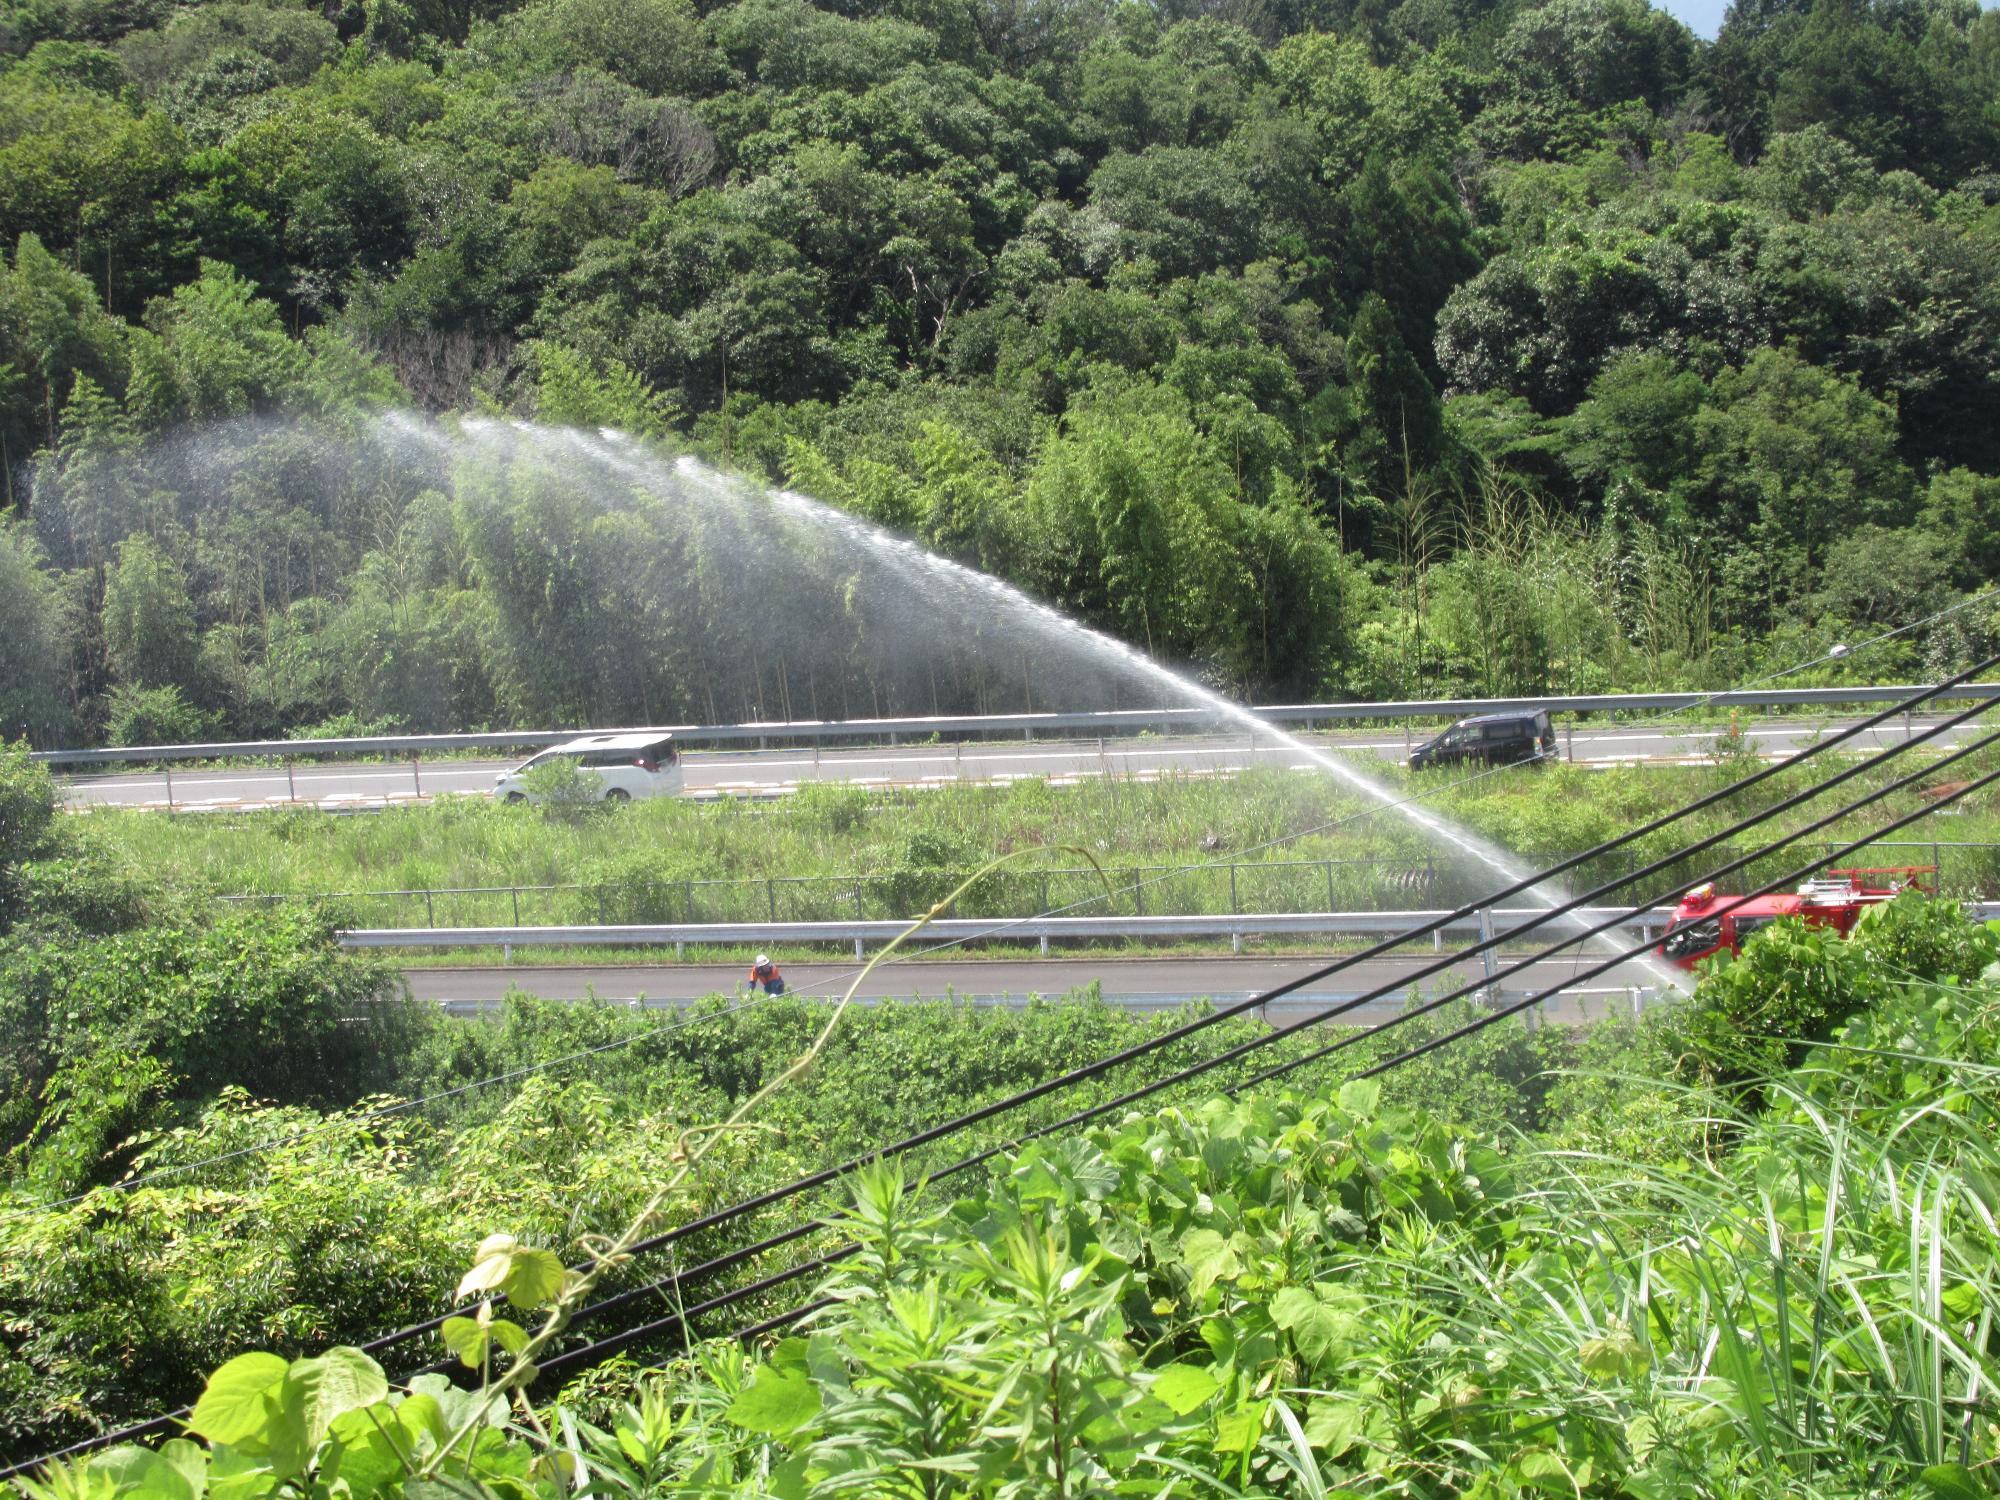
[542,759]
[1686,939]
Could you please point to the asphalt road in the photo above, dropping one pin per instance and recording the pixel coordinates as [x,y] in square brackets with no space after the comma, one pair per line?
[768,772]
[1143,984]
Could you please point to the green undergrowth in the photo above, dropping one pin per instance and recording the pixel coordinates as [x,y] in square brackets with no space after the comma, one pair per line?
[833,852]
[1742,1248]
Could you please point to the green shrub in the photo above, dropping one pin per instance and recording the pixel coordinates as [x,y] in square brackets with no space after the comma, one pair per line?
[155,716]
[113,1028]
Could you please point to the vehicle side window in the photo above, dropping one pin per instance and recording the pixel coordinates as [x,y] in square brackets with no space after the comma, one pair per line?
[1747,925]
[606,758]
[1686,939]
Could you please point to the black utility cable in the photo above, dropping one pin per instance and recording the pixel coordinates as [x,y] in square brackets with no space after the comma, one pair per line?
[1799,873]
[1721,871]
[1387,1064]
[1278,1034]
[164,1422]
[676,1279]
[1093,1069]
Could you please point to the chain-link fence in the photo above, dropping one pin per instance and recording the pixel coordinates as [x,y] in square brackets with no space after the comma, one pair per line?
[1257,887]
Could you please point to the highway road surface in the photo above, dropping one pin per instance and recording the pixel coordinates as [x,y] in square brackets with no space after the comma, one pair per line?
[772,772]
[1144,984]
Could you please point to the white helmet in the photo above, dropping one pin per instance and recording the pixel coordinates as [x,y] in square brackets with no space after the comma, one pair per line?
[763,959]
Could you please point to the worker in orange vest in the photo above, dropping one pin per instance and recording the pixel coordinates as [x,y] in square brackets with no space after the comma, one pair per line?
[765,972]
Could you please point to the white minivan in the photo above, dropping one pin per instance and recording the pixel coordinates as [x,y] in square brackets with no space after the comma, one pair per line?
[624,765]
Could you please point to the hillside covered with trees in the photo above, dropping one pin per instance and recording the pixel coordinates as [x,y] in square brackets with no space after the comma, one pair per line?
[1327,347]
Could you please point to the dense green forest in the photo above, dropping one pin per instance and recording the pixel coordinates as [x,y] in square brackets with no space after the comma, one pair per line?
[1323,347]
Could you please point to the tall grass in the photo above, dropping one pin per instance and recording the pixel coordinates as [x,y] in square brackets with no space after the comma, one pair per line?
[833,852]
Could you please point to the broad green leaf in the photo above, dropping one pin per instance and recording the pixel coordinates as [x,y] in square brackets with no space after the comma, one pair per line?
[141,1471]
[421,1417]
[239,1403]
[1237,1431]
[190,1459]
[1359,1097]
[1316,1328]
[363,1455]
[1615,1356]
[826,1363]
[235,1475]
[1545,1471]
[1209,1258]
[465,1338]
[528,1277]
[1035,1181]
[1953,1482]
[1095,1177]
[776,1402]
[489,1265]
[788,1479]
[1184,1387]
[341,1380]
[1335,1426]
[445,1487]
[471,1338]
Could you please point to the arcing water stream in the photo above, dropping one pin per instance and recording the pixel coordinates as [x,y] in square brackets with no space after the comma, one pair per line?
[765,523]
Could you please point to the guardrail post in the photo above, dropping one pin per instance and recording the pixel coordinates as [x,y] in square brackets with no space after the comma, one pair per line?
[1235,942]
[167,767]
[1045,945]
[506,953]
[1638,1001]
[416,777]
[857,950]
[1486,936]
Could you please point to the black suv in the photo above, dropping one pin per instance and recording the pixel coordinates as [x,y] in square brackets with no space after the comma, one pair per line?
[1491,740]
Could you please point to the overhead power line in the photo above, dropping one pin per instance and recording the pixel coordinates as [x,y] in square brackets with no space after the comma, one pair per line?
[1097,1068]
[572,1358]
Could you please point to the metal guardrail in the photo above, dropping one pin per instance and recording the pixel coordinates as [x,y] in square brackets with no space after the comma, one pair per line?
[1236,927]
[1043,929]
[1107,722]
